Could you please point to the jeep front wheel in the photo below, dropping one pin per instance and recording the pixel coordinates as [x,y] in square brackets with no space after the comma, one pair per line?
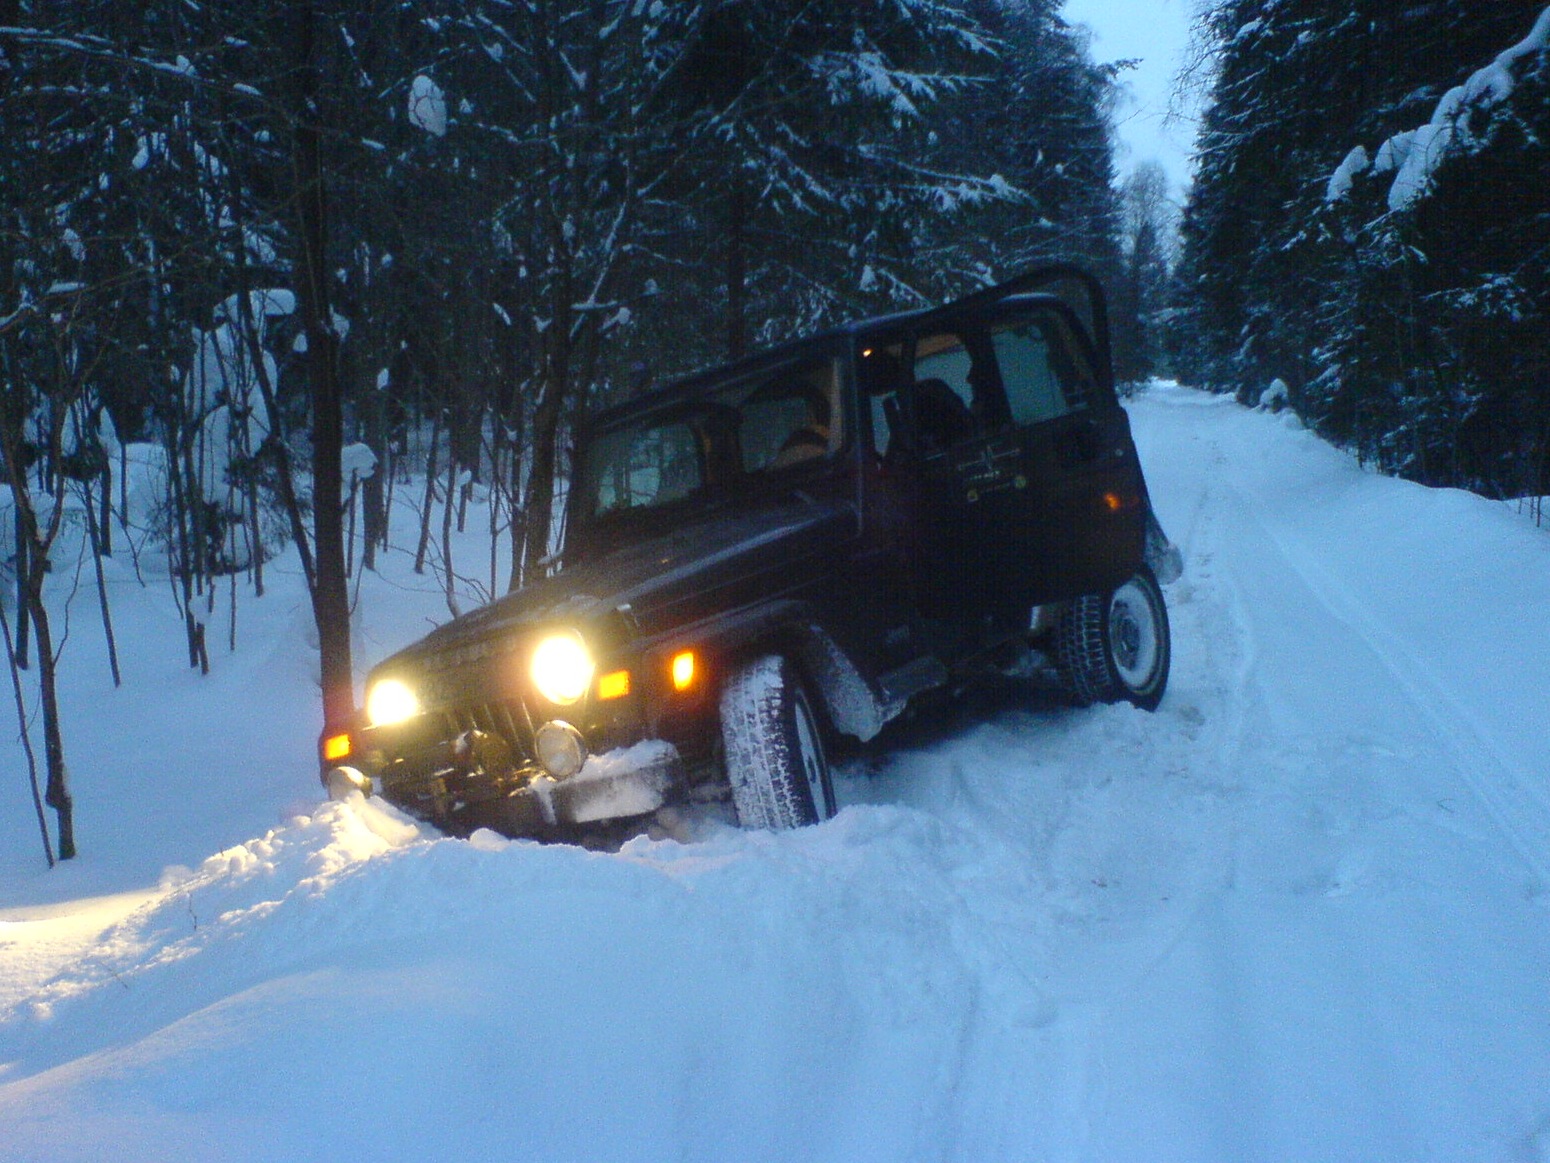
[1115,646]
[774,747]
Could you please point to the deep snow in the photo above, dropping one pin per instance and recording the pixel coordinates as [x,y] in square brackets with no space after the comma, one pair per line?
[1298,914]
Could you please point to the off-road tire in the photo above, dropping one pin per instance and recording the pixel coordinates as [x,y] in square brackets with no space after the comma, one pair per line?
[1116,646]
[775,755]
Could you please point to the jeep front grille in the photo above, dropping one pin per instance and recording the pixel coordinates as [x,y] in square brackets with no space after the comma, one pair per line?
[508,720]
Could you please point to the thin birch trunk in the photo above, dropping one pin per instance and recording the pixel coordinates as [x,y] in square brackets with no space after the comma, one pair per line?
[26,735]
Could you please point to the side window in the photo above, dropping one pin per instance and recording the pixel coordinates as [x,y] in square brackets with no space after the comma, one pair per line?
[796,414]
[1043,376]
[945,358]
[948,390]
[768,424]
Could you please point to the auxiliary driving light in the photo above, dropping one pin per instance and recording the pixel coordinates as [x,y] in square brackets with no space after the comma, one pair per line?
[561,749]
[562,668]
[390,701]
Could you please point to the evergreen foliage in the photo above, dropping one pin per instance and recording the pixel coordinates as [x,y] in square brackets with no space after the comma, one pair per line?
[1405,306]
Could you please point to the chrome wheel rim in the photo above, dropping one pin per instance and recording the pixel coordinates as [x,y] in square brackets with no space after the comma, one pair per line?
[1134,641]
[810,755]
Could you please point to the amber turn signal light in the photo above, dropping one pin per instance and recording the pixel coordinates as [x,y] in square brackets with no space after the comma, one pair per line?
[614,685]
[336,747]
[682,670]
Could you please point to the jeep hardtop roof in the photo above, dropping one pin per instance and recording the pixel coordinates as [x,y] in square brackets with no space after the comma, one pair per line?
[1023,288]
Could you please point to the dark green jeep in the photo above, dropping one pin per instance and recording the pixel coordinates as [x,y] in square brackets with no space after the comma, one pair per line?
[792,546]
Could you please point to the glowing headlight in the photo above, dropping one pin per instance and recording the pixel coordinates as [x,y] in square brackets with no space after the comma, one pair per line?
[390,701]
[562,668]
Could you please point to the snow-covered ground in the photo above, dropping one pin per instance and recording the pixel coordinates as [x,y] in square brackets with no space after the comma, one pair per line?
[1300,913]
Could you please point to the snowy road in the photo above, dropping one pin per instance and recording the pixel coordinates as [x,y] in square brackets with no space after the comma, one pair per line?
[1361,972]
[1298,914]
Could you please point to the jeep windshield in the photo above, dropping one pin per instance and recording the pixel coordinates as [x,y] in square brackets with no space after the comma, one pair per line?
[713,442]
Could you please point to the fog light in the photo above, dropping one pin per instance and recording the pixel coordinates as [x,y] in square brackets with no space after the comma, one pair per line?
[561,749]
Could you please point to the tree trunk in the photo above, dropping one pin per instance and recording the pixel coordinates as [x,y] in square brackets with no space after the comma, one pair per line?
[430,496]
[537,509]
[25,735]
[97,535]
[105,519]
[448,581]
[56,793]
[513,488]
[330,593]
[23,572]
[275,443]
[182,579]
[371,408]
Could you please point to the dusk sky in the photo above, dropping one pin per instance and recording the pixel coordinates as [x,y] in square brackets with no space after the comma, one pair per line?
[1156,32]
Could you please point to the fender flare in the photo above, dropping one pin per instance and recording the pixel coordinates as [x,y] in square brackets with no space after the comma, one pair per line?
[853,703]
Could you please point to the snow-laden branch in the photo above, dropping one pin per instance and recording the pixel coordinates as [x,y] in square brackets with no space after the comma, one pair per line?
[1414,155]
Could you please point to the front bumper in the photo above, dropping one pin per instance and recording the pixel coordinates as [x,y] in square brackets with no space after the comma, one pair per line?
[627,781]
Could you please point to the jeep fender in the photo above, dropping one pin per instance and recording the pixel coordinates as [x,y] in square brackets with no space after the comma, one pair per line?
[792,628]
[1164,557]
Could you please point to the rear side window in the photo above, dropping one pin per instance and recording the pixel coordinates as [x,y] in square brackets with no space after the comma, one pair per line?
[1044,375]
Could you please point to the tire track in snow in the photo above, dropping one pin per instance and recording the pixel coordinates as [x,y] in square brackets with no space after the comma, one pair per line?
[1114,791]
[1297,930]
[1502,787]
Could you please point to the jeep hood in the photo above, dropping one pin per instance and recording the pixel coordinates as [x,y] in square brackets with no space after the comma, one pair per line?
[652,577]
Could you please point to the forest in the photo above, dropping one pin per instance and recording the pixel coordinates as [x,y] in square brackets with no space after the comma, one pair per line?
[282,258]
[1369,226]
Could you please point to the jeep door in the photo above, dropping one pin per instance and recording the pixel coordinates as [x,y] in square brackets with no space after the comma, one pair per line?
[1026,457]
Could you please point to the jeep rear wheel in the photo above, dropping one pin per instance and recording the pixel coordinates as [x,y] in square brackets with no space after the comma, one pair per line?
[774,747]
[1115,646]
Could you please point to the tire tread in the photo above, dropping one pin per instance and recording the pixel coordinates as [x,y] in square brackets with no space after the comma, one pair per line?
[1081,654]
[758,747]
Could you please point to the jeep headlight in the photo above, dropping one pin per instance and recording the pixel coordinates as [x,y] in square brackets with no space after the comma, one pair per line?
[390,701]
[562,668]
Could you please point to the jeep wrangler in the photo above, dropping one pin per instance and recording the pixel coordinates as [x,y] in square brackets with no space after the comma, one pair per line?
[792,546]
